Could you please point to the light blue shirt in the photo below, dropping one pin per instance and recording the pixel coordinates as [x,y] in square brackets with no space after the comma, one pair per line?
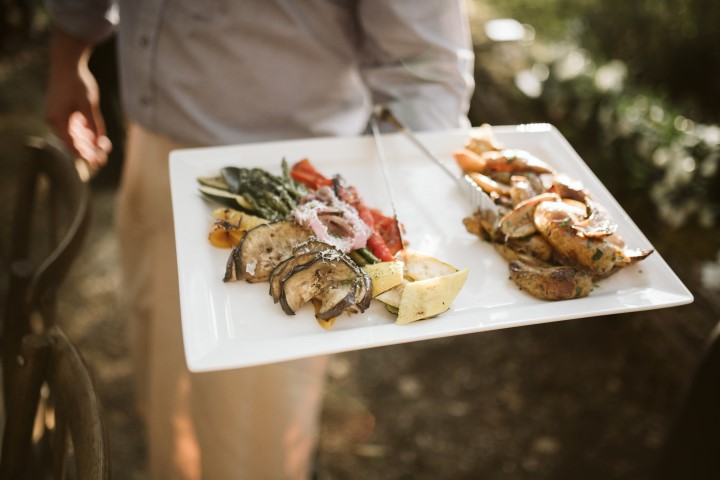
[234,71]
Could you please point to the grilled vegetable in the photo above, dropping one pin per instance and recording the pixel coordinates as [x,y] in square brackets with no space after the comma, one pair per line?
[305,172]
[331,279]
[428,289]
[214,182]
[255,190]
[375,243]
[335,299]
[242,220]
[230,226]
[303,253]
[263,248]
[430,297]
[551,283]
[224,234]
[384,275]
[227,198]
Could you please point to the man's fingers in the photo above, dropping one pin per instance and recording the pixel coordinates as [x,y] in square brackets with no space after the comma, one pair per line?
[82,137]
[104,143]
[60,125]
[94,121]
[86,142]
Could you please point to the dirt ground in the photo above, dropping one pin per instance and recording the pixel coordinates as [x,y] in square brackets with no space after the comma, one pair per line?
[591,398]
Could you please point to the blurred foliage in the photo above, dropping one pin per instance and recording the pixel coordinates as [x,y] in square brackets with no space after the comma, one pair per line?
[614,86]
[672,45]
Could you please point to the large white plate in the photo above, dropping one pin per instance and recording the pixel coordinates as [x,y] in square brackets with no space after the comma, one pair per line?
[231,325]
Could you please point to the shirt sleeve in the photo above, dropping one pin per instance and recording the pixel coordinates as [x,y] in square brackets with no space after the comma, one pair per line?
[418,60]
[91,20]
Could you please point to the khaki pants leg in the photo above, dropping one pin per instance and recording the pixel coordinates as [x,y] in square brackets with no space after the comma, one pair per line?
[254,423]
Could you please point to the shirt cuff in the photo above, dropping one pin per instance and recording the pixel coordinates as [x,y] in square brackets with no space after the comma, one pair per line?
[425,114]
[92,21]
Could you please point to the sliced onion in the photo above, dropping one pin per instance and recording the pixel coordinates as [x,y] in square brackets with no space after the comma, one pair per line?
[322,209]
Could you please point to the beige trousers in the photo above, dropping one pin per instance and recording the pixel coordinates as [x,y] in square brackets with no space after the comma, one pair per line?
[252,423]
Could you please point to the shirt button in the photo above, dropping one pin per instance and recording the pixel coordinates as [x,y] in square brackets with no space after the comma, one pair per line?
[144,41]
[145,100]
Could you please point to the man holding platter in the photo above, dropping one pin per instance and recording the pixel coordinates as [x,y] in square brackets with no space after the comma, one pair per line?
[218,73]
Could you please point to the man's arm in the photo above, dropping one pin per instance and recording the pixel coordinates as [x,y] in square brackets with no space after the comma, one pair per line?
[418,60]
[73,103]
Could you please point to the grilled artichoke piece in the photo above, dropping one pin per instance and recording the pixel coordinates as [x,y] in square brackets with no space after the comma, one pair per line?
[511,254]
[325,279]
[262,249]
[551,283]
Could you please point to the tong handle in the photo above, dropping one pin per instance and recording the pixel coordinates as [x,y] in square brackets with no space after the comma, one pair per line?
[384,114]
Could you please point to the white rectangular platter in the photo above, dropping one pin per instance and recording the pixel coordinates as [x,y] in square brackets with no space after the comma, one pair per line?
[233,325]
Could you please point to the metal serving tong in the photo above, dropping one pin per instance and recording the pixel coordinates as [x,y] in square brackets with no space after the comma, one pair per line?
[386,173]
[478,198]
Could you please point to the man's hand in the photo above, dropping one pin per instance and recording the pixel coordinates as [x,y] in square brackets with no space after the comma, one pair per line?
[73,104]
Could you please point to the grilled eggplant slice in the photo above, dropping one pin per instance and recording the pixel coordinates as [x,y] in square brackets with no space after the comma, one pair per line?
[312,245]
[311,279]
[363,286]
[335,299]
[363,295]
[262,249]
[283,268]
[302,253]
[332,280]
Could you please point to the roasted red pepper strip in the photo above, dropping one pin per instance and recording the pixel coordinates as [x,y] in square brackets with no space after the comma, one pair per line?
[376,243]
[389,230]
[304,172]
